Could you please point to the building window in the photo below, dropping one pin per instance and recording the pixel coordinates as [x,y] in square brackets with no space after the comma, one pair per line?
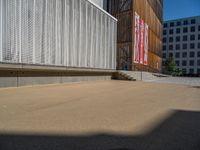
[177,55]
[164,47]
[198,70]
[171,31]
[164,32]
[184,46]
[184,63]
[171,39]
[171,55]
[185,22]
[164,40]
[199,28]
[184,54]
[192,54]
[185,38]
[170,47]
[171,24]
[198,45]
[191,71]
[165,25]
[184,70]
[199,37]
[192,37]
[191,62]
[193,21]
[178,23]
[164,63]
[192,46]
[164,55]
[192,29]
[177,63]
[198,62]
[178,39]
[185,30]
[178,30]
[198,54]
[177,46]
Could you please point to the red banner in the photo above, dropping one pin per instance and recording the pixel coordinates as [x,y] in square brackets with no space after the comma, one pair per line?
[137,39]
[141,41]
[146,28]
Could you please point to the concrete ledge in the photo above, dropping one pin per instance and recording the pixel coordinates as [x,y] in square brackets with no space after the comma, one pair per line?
[17,75]
[9,66]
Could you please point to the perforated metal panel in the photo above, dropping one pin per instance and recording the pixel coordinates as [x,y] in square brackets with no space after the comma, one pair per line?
[72,33]
[98,2]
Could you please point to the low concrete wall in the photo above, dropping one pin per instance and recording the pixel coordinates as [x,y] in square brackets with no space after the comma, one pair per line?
[23,75]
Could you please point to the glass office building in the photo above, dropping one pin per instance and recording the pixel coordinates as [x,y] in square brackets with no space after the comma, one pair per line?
[181,40]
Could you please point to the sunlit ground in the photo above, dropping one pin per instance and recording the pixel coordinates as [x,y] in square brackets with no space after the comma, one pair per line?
[112,114]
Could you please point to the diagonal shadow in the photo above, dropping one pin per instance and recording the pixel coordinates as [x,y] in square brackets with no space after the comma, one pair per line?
[181,131]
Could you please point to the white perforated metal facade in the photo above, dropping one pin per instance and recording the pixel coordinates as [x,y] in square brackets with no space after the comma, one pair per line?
[72,33]
[98,2]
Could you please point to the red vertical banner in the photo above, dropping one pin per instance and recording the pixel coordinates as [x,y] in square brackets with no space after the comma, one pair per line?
[141,41]
[146,30]
[137,39]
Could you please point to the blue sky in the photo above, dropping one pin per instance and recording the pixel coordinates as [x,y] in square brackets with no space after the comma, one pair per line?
[174,9]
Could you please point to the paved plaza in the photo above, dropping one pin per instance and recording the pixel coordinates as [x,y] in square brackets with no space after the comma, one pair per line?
[101,115]
[190,81]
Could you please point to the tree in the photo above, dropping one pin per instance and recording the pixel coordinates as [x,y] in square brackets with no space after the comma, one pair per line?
[170,65]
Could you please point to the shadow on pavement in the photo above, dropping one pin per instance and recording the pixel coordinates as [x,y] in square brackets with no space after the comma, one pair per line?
[197,87]
[181,131]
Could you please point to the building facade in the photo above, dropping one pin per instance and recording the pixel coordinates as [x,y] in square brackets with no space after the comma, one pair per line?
[100,3]
[139,39]
[181,40]
[70,33]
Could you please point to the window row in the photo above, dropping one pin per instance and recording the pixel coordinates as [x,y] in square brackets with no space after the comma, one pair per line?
[179,23]
[183,55]
[178,46]
[178,38]
[184,30]
[187,63]
[191,70]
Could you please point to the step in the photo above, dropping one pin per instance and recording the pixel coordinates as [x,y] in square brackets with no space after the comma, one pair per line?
[137,75]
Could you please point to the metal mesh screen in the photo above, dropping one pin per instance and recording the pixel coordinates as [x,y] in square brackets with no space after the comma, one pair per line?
[72,33]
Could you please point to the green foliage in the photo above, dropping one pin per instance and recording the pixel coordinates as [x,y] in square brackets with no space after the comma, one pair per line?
[170,65]
[177,72]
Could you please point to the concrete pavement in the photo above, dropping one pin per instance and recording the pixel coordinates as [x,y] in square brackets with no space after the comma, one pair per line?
[190,81]
[117,115]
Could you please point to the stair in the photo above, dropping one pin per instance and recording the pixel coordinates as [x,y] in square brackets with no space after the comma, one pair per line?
[125,76]
[138,75]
